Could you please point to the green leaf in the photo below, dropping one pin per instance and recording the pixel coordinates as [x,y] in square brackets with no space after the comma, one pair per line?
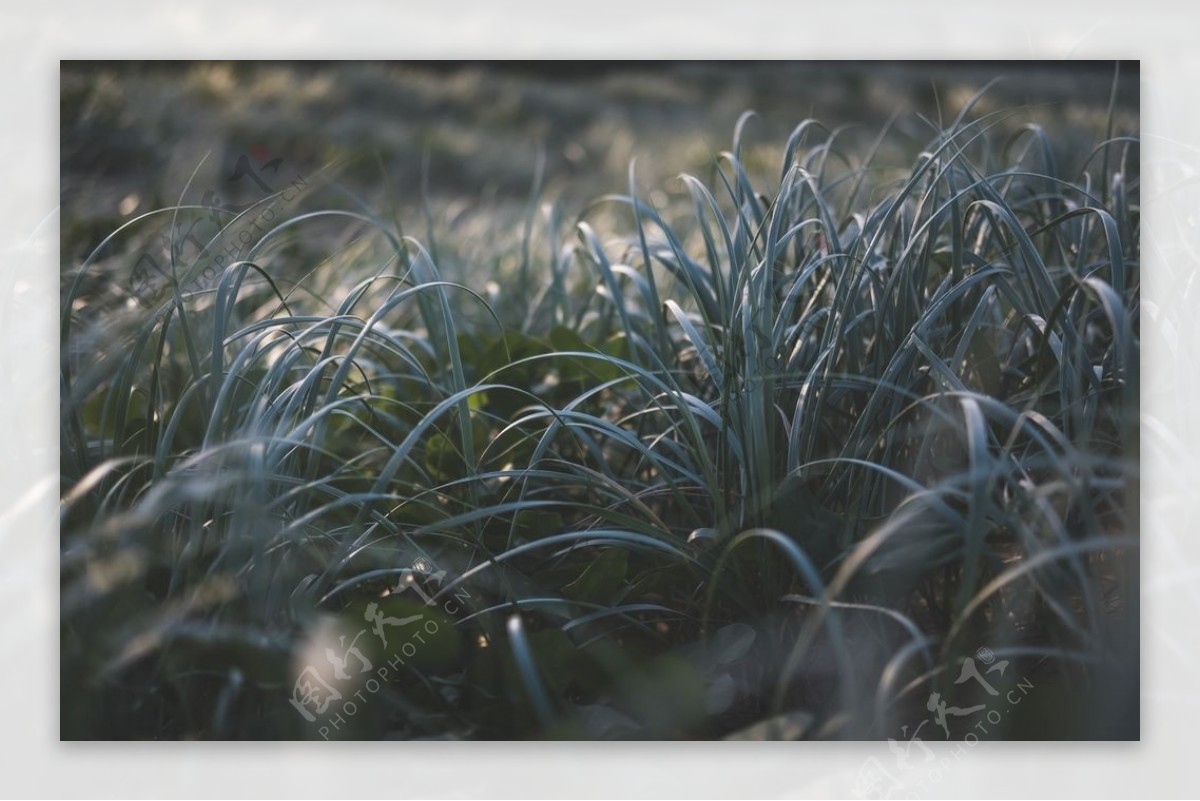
[444,454]
[602,579]
[556,658]
[667,697]
[584,370]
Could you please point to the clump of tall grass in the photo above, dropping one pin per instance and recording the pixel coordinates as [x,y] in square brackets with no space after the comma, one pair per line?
[780,465]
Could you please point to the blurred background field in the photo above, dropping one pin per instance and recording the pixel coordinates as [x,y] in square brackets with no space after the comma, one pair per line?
[133,134]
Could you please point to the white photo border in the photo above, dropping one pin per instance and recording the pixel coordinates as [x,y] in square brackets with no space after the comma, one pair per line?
[35,38]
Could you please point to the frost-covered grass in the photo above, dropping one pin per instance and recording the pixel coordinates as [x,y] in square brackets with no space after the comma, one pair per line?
[772,458]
